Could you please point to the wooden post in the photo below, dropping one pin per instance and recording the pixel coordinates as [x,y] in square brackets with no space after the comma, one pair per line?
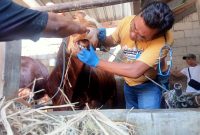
[10,68]
[185,9]
[136,7]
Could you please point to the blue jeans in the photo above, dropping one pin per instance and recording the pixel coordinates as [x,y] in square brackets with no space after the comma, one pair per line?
[143,96]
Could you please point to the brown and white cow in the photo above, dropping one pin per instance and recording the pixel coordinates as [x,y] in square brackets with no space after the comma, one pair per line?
[81,83]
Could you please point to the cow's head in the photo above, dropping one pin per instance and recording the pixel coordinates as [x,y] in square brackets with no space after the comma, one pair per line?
[78,41]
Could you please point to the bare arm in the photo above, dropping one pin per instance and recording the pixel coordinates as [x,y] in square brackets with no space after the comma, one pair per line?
[62,26]
[133,70]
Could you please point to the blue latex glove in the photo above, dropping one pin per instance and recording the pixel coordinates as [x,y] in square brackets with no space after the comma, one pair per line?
[88,57]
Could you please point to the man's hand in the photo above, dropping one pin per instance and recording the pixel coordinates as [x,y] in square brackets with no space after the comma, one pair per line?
[88,57]
[62,26]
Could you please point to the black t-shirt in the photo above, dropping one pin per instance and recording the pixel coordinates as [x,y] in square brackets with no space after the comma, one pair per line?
[17,22]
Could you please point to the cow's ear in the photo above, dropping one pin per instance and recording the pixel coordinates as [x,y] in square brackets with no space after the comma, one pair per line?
[92,36]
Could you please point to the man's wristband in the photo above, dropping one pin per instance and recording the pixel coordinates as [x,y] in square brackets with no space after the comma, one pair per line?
[101,37]
[102,34]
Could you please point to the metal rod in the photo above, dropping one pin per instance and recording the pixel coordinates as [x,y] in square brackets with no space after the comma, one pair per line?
[80,5]
[155,83]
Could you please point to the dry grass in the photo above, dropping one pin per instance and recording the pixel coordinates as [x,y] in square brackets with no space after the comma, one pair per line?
[27,121]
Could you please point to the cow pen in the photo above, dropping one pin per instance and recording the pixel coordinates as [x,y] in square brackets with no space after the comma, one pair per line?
[182,116]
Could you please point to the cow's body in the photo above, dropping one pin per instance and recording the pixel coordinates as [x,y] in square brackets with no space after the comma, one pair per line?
[81,83]
[95,87]
[88,85]
[30,70]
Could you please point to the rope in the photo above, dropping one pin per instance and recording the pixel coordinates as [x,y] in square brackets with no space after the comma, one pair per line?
[63,70]
[68,101]
[64,43]
[64,76]
[160,58]
[66,72]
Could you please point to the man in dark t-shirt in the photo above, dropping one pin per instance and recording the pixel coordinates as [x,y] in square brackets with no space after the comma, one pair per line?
[17,22]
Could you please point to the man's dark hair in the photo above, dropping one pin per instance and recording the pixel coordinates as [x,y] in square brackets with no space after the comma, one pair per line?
[158,15]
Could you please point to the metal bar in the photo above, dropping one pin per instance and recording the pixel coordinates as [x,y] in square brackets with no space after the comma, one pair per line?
[12,63]
[80,5]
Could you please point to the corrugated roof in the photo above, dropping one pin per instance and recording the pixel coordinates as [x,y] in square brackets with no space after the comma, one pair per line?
[101,14]
[109,13]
